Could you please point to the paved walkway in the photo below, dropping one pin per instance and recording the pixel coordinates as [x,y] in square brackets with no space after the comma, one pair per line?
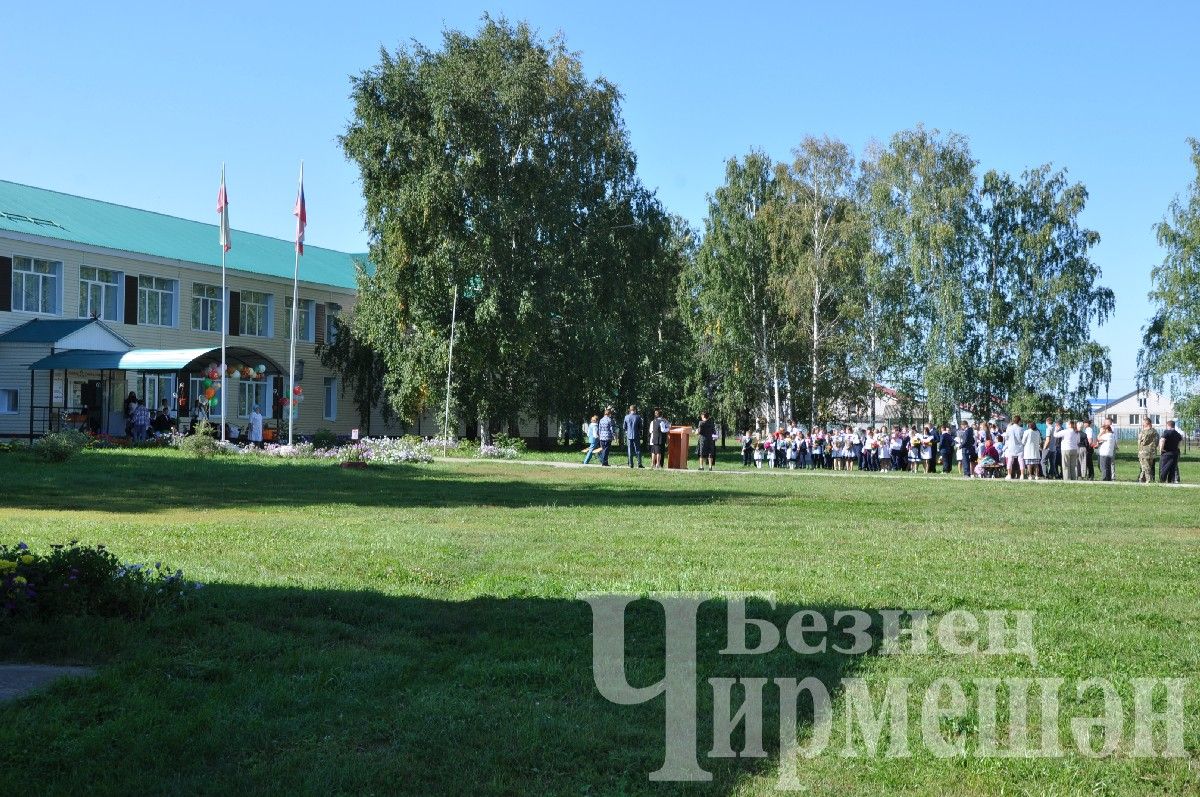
[18,680]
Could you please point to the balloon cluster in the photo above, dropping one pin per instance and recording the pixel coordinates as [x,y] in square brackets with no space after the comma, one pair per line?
[296,399]
[211,383]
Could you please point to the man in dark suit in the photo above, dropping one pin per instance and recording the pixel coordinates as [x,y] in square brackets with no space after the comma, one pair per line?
[633,435]
[966,448]
[946,448]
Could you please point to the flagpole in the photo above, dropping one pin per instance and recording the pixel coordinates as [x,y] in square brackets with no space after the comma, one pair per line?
[449,368]
[224,323]
[291,394]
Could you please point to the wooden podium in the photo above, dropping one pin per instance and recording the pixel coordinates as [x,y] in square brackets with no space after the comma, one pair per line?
[677,447]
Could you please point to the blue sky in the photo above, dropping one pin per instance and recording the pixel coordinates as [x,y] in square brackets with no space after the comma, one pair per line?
[139,103]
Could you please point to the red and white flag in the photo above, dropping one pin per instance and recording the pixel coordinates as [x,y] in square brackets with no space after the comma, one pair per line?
[223,210]
[300,214]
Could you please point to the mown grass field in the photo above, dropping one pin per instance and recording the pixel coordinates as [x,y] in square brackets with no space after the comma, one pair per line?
[417,629]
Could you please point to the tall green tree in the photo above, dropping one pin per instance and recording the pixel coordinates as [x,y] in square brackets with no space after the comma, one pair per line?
[726,301]
[923,192]
[495,171]
[1042,297]
[818,239]
[1170,352]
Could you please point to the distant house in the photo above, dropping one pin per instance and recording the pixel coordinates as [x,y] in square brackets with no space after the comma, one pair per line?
[1128,411]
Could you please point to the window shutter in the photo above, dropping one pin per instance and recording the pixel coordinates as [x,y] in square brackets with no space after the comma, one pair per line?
[131,300]
[235,312]
[319,332]
[5,283]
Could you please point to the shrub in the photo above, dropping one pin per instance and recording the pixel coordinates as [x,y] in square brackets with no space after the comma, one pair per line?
[323,438]
[81,580]
[59,446]
[497,452]
[505,441]
[202,443]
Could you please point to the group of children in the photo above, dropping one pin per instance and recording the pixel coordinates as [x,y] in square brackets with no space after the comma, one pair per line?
[845,448]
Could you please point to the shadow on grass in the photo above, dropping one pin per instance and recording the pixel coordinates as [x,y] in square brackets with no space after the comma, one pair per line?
[138,482]
[273,690]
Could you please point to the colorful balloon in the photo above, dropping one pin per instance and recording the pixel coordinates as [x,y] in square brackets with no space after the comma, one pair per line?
[208,381]
[297,390]
[262,369]
[212,402]
[209,393]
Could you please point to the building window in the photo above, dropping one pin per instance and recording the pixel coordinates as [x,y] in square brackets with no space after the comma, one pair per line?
[331,317]
[196,391]
[35,285]
[1154,419]
[9,404]
[1134,420]
[157,388]
[304,323]
[206,307]
[99,290]
[330,398]
[156,301]
[1141,402]
[255,314]
[249,395]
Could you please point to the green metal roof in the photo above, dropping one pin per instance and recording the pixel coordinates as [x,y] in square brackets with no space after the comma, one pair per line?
[139,359]
[45,330]
[64,217]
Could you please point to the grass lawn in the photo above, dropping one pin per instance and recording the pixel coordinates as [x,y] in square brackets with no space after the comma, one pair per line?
[416,629]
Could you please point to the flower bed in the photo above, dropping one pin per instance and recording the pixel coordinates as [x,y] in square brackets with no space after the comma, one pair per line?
[75,579]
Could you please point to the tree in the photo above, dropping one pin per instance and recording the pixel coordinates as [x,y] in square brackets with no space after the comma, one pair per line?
[494,171]
[923,193]
[360,367]
[1171,339]
[1046,298]
[818,242]
[726,302]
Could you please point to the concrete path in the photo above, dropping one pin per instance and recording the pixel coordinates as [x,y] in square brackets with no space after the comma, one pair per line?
[18,680]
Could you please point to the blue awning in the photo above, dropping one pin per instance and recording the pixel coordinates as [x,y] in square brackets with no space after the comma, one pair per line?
[145,360]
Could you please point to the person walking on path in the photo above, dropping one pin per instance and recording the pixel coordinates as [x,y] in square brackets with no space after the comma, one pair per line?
[1168,451]
[707,447]
[633,435]
[593,437]
[605,431]
[1147,451]
[1107,451]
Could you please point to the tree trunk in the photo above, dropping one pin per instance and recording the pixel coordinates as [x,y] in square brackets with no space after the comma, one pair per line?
[543,432]
[816,307]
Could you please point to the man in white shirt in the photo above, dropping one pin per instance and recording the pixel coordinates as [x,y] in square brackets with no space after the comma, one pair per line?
[255,428]
[1014,442]
[1107,451]
[1070,450]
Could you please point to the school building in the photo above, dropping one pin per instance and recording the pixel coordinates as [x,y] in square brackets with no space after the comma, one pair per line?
[100,300]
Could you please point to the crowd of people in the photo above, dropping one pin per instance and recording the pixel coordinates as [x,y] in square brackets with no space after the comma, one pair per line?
[1070,450]
[140,422]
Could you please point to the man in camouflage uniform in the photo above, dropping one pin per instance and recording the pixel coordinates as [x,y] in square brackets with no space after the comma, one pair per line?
[1147,451]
